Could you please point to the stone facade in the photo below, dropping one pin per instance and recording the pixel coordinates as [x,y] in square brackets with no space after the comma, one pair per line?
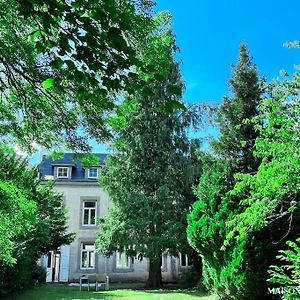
[85,201]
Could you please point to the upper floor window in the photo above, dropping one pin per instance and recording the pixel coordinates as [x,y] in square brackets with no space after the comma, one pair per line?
[122,260]
[89,213]
[87,256]
[62,172]
[93,173]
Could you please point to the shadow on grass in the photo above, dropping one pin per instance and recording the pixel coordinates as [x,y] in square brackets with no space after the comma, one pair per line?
[63,292]
[170,291]
[117,291]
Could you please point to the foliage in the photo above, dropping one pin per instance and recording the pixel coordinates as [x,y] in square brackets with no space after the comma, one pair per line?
[16,217]
[287,274]
[149,178]
[190,275]
[271,204]
[222,270]
[273,191]
[237,137]
[32,221]
[38,274]
[64,65]
[228,269]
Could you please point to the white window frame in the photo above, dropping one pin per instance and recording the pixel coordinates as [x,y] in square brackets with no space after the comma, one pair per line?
[87,251]
[164,261]
[92,177]
[119,259]
[62,177]
[89,212]
[186,260]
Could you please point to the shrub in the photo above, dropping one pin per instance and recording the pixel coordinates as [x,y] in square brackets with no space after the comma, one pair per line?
[38,274]
[287,274]
[190,275]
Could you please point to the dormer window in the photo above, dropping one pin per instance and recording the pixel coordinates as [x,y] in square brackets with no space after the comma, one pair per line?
[62,172]
[93,173]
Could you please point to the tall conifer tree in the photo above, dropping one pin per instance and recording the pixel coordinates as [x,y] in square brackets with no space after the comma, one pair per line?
[224,269]
[237,136]
[149,178]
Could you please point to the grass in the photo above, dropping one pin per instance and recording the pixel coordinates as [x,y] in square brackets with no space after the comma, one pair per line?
[121,292]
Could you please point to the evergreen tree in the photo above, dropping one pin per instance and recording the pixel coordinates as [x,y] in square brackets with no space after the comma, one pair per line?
[237,135]
[149,179]
[271,197]
[224,270]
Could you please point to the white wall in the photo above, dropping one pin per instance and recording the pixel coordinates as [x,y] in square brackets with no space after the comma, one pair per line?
[73,194]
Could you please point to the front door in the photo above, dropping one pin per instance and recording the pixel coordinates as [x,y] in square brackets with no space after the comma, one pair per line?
[56,266]
[52,263]
[49,266]
[64,263]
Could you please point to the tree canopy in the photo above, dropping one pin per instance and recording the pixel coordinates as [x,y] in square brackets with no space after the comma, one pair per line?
[65,64]
[149,178]
[270,197]
[32,221]
[237,136]
[224,269]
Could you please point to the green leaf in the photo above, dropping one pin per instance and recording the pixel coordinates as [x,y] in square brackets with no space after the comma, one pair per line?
[56,155]
[39,47]
[133,75]
[33,35]
[147,92]
[48,83]
[57,63]
[50,44]
[87,159]
[175,90]
[173,105]
[75,5]
[82,94]
[159,77]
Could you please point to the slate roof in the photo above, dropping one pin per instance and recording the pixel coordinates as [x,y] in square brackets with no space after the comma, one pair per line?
[47,165]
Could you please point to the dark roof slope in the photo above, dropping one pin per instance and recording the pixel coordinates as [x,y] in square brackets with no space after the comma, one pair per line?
[47,165]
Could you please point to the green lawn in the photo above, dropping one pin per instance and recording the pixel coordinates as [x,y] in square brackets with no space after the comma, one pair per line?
[65,292]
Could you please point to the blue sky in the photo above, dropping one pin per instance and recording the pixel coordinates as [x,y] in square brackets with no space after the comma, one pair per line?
[209,33]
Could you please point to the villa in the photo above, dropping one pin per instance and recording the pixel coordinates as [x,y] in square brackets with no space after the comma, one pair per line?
[86,201]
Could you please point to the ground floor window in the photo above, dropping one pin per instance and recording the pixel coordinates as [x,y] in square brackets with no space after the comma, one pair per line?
[164,262]
[184,260]
[87,256]
[122,260]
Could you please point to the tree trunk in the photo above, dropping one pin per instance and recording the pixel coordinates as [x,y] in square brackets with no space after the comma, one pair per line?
[155,279]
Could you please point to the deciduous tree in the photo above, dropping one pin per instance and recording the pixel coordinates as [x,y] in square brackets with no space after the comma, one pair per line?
[271,206]
[64,64]
[33,221]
